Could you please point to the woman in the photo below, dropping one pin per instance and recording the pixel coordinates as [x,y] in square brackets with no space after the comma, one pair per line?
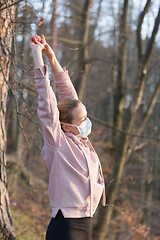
[75,176]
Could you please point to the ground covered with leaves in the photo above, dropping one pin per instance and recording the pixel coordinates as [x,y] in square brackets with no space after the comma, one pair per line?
[31,213]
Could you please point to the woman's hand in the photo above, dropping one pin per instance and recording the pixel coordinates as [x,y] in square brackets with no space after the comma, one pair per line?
[46,48]
[36,44]
[37,48]
[49,51]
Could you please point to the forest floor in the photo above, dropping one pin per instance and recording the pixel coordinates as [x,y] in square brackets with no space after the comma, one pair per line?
[28,193]
[28,200]
[31,213]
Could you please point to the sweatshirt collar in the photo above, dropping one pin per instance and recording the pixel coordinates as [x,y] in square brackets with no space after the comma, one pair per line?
[79,141]
[75,139]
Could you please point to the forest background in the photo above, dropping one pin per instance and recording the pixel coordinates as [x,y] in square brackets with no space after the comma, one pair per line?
[112,52]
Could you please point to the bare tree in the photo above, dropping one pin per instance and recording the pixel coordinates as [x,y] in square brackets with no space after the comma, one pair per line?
[53,25]
[123,140]
[119,97]
[6,25]
[83,65]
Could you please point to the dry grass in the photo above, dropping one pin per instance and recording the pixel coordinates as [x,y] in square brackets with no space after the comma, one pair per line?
[28,201]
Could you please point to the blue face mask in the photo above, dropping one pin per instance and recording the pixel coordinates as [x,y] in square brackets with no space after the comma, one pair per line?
[84,129]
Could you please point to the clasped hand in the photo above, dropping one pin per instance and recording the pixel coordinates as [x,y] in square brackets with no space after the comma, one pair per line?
[38,44]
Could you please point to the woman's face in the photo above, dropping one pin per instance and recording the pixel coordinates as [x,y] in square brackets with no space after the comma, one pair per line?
[79,116]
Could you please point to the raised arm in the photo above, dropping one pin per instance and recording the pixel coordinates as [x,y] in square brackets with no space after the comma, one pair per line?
[47,104]
[63,82]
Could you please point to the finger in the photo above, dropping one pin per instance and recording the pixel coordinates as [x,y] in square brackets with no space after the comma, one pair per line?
[43,38]
[43,41]
[34,37]
[34,40]
[46,46]
[38,38]
[31,42]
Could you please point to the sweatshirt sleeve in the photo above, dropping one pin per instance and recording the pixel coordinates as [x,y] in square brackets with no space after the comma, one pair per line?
[64,85]
[47,109]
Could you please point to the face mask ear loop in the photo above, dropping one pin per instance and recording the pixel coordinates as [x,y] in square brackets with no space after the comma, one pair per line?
[68,124]
[72,125]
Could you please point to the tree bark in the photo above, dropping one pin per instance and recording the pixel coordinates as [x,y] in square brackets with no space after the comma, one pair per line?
[21,146]
[123,144]
[83,66]
[6,17]
[118,139]
[54,31]
[121,68]
[145,118]
[140,45]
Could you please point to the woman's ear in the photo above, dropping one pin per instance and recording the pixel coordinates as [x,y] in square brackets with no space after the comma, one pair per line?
[66,128]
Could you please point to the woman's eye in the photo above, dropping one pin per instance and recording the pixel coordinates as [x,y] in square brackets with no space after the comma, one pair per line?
[83,120]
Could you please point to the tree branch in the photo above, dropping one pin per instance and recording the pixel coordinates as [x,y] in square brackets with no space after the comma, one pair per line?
[17,109]
[7,6]
[88,61]
[66,40]
[145,118]
[150,108]
[152,39]
[121,130]
[144,71]
[139,29]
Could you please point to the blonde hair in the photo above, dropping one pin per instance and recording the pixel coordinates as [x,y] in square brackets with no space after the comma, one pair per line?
[66,106]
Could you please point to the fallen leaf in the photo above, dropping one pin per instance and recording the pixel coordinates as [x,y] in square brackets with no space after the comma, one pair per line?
[40,21]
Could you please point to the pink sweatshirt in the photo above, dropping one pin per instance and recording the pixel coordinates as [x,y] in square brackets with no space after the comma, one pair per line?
[76,180]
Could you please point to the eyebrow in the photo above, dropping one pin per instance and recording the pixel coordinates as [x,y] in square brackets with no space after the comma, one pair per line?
[83,117]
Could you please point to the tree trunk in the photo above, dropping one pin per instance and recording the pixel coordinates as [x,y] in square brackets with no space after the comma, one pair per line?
[145,119]
[83,66]
[121,67]
[118,119]
[21,146]
[53,26]
[6,224]
[123,143]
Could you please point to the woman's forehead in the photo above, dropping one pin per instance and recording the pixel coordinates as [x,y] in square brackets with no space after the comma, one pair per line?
[80,111]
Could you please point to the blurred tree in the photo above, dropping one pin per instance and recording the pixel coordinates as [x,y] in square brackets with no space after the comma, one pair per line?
[110,92]
[119,88]
[122,144]
[6,26]
[54,31]
[18,100]
[83,66]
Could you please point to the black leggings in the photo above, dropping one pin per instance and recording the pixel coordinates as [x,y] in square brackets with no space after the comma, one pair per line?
[61,228]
